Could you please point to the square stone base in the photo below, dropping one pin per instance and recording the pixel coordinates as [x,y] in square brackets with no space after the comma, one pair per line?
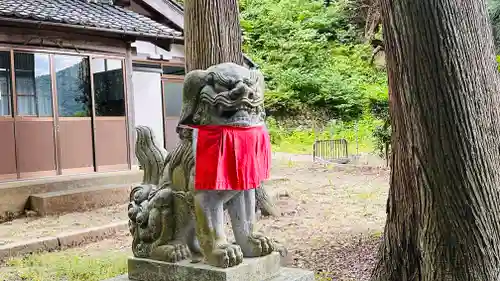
[252,269]
[285,274]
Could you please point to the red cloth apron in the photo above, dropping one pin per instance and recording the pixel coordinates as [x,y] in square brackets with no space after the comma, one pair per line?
[231,158]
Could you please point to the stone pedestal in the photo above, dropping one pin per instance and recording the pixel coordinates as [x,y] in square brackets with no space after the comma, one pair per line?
[252,269]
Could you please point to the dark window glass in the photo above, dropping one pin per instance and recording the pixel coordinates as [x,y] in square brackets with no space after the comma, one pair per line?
[109,88]
[73,86]
[147,65]
[33,84]
[172,92]
[174,70]
[5,85]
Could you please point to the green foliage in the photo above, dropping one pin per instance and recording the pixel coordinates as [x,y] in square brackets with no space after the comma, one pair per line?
[382,139]
[494,13]
[317,70]
[311,57]
[299,138]
[379,107]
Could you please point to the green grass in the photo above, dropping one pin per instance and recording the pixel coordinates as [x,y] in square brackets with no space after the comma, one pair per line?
[67,266]
[300,139]
[71,266]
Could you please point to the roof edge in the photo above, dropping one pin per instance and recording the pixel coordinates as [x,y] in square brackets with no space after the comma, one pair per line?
[115,32]
[178,5]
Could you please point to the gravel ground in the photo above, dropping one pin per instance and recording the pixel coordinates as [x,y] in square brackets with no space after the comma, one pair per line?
[331,220]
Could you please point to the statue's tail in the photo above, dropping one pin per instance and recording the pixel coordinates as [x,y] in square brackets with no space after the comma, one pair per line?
[150,155]
[265,203]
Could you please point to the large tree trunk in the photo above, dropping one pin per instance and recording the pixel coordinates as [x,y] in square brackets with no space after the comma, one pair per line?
[212,33]
[443,210]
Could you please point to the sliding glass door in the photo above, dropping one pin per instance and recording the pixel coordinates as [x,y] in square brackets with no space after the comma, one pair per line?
[74,114]
[34,116]
[61,114]
[111,142]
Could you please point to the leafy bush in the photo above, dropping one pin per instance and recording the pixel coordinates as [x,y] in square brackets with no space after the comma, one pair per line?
[311,57]
[317,70]
[379,107]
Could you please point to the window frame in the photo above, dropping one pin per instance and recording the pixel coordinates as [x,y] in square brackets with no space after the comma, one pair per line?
[172,76]
[10,84]
[125,88]
[13,116]
[55,96]
[51,51]
[176,80]
[35,95]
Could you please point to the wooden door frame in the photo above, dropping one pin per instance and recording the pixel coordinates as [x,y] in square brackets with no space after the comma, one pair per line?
[13,107]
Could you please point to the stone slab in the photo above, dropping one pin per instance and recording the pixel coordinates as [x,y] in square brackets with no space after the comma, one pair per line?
[61,241]
[93,234]
[81,199]
[28,247]
[252,269]
[15,194]
[285,274]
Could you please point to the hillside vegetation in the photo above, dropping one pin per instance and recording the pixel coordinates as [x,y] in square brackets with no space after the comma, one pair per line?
[317,70]
[320,80]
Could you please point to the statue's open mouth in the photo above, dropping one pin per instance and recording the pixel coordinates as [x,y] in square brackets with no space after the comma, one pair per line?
[228,113]
[238,116]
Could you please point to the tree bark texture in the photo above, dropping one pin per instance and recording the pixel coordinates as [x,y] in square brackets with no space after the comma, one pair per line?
[443,210]
[212,33]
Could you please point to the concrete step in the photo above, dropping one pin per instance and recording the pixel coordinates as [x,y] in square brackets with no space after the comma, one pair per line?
[15,194]
[79,199]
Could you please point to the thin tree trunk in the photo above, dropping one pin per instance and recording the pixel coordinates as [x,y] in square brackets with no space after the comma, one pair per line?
[373,20]
[212,33]
[443,210]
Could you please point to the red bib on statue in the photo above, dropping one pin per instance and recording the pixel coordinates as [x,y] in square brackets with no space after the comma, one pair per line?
[231,158]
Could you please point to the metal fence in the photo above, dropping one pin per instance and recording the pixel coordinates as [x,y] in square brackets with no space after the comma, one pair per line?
[330,151]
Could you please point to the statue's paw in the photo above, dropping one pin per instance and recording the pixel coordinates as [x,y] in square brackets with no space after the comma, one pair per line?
[179,252]
[171,253]
[260,245]
[225,256]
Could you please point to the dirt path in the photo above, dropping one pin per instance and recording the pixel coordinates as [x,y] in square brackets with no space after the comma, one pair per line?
[331,220]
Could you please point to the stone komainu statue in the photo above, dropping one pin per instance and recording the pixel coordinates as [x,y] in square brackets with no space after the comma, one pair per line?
[169,219]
